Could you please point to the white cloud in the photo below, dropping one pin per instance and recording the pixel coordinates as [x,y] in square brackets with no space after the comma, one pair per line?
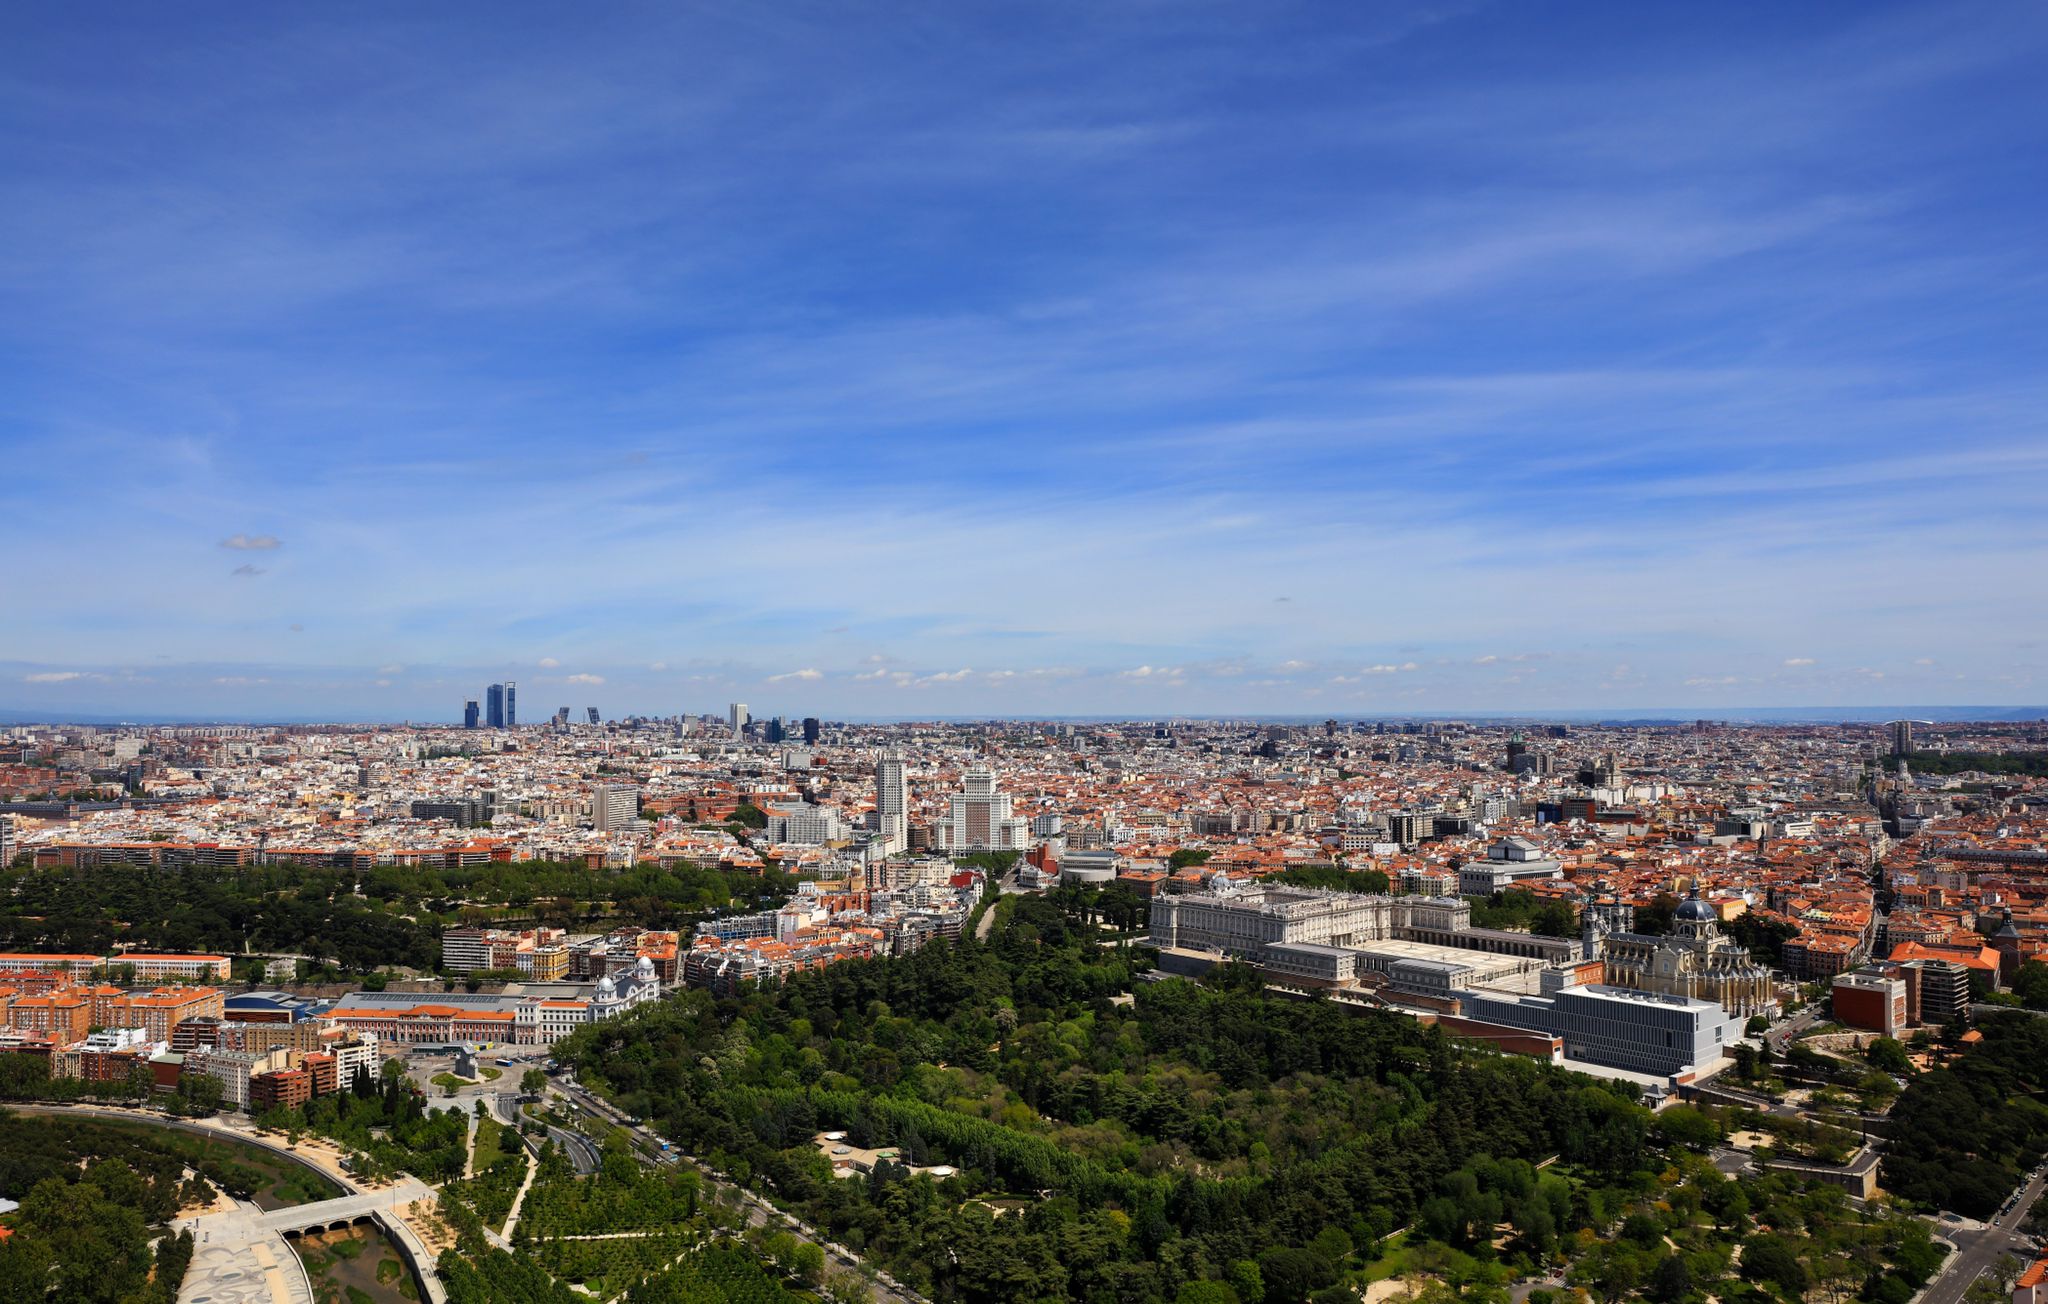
[1486,660]
[943,677]
[1149,672]
[805,674]
[383,683]
[872,674]
[549,663]
[584,679]
[1798,661]
[1702,681]
[393,669]
[240,681]
[659,667]
[56,676]
[252,542]
[1292,667]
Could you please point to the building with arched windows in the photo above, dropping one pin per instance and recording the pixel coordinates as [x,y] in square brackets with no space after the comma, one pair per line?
[1696,960]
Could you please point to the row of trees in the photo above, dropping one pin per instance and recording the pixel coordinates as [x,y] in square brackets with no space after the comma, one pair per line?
[355,920]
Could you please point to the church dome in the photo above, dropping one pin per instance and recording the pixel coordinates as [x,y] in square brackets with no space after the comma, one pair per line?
[605,988]
[644,970]
[1692,910]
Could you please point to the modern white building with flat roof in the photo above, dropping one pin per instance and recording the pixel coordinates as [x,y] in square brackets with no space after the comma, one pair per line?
[1644,1032]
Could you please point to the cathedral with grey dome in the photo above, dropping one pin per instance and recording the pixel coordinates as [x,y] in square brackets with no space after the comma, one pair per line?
[1696,960]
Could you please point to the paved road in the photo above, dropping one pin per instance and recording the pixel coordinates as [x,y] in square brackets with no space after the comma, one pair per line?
[1979,1246]
[1782,1036]
[580,1150]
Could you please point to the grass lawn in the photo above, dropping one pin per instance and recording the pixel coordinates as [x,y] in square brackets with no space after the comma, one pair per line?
[1393,1260]
[490,1143]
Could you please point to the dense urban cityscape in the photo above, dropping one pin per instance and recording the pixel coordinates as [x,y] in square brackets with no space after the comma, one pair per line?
[1018,652]
[1797,957]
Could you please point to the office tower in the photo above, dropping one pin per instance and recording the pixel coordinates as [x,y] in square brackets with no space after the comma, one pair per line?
[1902,737]
[811,731]
[469,714]
[8,845]
[593,714]
[736,718]
[980,818]
[494,706]
[614,807]
[511,705]
[892,798]
[775,732]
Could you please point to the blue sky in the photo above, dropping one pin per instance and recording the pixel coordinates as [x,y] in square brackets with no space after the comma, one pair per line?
[1022,358]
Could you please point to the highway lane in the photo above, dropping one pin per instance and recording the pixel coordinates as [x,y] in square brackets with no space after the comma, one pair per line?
[1979,1248]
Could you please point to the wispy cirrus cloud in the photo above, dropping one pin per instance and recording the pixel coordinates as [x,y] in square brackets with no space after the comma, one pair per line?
[1276,352]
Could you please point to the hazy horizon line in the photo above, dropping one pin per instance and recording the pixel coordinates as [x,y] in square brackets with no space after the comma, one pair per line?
[1862,714]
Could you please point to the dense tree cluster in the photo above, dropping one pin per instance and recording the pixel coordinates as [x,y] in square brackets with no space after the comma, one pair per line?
[389,1129]
[1335,878]
[1203,1133]
[1117,1139]
[96,1196]
[1764,936]
[1962,1135]
[626,1225]
[357,920]
[1520,908]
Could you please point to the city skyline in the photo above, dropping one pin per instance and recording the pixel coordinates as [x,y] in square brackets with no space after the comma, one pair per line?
[1430,360]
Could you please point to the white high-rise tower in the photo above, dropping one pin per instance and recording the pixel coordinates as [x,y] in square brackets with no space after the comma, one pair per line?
[892,799]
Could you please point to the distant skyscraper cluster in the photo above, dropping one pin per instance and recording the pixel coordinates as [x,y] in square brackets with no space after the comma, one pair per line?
[500,709]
